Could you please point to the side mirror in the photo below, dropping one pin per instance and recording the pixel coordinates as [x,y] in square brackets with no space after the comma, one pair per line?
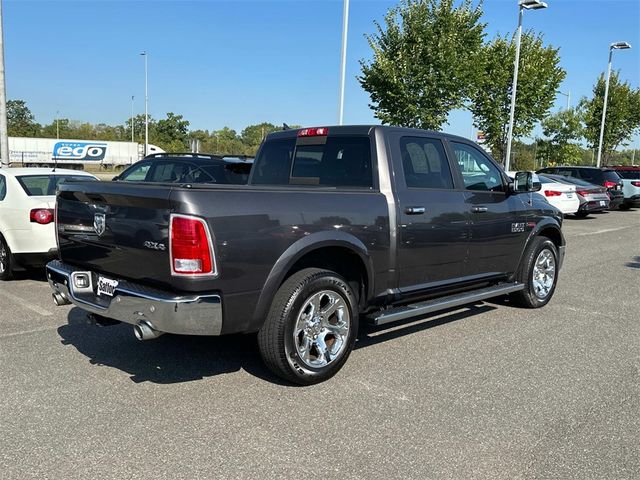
[526,182]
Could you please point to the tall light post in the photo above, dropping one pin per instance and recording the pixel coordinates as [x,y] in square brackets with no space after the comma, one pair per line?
[146,105]
[522,6]
[4,138]
[343,59]
[58,124]
[612,47]
[568,95]
[132,131]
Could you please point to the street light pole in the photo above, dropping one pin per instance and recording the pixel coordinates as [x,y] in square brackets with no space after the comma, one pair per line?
[612,47]
[522,6]
[58,124]
[146,105]
[343,59]
[4,136]
[568,95]
[132,131]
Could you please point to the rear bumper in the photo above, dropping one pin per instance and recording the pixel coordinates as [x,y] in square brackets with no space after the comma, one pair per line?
[132,303]
[633,201]
[615,202]
[594,206]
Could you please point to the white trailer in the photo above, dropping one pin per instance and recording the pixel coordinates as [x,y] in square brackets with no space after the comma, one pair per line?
[47,152]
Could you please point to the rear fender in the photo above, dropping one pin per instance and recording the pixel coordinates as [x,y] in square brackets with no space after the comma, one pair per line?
[299,249]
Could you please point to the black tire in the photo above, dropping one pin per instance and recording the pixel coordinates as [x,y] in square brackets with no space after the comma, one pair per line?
[624,206]
[531,296]
[6,260]
[581,214]
[280,347]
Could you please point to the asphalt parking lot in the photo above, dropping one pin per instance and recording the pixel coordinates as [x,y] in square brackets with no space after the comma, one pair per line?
[488,391]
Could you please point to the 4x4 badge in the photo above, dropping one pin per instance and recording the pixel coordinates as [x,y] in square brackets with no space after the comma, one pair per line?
[99,223]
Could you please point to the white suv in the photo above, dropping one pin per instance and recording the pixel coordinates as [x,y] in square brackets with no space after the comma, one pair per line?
[27,203]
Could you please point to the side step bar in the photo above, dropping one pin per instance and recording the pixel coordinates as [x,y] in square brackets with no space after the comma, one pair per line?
[442,303]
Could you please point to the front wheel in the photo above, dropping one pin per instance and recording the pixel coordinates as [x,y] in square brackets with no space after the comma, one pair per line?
[539,273]
[311,327]
[6,267]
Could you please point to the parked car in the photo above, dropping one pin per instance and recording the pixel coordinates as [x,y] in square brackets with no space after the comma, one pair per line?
[560,195]
[335,224]
[27,201]
[188,168]
[630,185]
[605,176]
[593,198]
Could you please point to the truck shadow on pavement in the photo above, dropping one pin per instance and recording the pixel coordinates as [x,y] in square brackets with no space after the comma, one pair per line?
[167,359]
[177,358]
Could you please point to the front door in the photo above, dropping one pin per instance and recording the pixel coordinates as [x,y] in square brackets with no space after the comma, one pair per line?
[496,219]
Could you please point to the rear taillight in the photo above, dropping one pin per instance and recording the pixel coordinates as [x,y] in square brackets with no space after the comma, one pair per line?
[584,193]
[190,246]
[635,184]
[552,193]
[41,215]
[609,184]
[313,132]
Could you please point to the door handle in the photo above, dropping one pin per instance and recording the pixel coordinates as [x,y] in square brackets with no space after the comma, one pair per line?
[414,210]
[479,209]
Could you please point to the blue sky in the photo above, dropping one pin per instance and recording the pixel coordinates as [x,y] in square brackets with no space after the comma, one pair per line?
[241,62]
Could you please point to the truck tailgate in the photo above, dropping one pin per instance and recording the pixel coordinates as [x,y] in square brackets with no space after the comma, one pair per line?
[116,229]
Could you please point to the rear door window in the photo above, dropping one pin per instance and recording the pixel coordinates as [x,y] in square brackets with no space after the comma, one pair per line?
[137,173]
[425,163]
[328,162]
[3,187]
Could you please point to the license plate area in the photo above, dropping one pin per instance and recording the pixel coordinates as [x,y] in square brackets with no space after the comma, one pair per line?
[602,203]
[106,286]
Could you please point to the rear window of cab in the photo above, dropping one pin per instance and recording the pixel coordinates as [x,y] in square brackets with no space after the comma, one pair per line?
[46,185]
[329,161]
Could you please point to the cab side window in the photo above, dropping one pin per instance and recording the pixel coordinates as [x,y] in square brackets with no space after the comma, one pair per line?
[3,187]
[478,172]
[424,163]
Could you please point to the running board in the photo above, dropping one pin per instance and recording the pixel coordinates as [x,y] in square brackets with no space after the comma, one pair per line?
[442,303]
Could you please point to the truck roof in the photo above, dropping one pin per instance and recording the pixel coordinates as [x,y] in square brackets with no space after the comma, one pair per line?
[364,130]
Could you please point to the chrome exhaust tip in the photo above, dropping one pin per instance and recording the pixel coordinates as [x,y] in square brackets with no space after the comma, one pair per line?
[143,331]
[59,299]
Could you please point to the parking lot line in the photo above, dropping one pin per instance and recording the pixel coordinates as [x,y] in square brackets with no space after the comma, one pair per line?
[25,304]
[26,332]
[607,230]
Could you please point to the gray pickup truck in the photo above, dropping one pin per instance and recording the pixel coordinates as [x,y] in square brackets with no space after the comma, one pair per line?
[336,224]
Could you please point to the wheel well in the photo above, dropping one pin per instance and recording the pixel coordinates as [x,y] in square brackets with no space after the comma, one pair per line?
[553,235]
[343,261]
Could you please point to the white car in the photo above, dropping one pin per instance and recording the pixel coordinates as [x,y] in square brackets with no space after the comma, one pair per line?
[561,195]
[27,203]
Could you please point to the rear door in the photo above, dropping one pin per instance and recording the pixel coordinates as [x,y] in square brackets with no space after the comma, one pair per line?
[496,219]
[432,222]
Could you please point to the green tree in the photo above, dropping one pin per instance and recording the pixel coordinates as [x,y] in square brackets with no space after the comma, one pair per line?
[172,133]
[424,61]
[138,129]
[538,80]
[59,127]
[623,114]
[20,121]
[252,136]
[562,131]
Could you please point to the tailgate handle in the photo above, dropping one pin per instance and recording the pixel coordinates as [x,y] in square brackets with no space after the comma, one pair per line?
[414,210]
[479,209]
